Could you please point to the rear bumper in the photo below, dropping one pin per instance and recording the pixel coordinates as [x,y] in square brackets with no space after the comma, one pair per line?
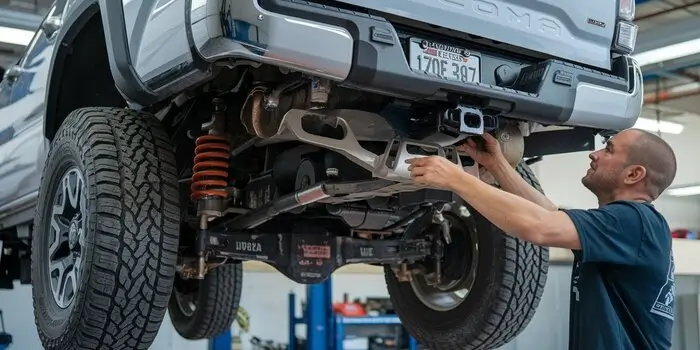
[368,53]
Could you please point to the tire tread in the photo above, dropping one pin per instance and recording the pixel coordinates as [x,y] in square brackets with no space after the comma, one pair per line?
[523,279]
[130,169]
[219,302]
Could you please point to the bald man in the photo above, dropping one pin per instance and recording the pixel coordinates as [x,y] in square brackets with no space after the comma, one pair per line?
[622,293]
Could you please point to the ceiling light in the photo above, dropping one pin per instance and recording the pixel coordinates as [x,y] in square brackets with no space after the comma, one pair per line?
[661,126]
[15,36]
[667,53]
[684,191]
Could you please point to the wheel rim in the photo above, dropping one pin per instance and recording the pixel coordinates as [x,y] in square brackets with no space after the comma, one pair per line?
[186,297]
[66,249]
[448,295]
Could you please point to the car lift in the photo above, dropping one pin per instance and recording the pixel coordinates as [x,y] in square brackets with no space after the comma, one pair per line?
[220,342]
[5,338]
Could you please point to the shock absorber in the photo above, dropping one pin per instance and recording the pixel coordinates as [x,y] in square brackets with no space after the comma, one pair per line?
[210,178]
[210,170]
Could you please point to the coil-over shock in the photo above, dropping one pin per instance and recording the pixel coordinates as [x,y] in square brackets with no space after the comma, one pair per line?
[209,189]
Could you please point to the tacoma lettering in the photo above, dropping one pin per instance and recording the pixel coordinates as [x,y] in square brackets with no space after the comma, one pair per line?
[517,16]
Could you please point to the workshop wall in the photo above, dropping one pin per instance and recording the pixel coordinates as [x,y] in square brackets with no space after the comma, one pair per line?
[16,305]
[560,176]
[265,299]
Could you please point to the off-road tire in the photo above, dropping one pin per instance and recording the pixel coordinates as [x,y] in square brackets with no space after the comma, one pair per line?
[217,299]
[132,232]
[510,280]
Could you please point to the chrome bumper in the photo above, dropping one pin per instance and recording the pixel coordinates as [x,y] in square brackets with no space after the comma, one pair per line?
[605,108]
[244,30]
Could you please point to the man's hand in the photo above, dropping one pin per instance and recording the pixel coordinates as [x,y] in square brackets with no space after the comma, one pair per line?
[435,171]
[488,154]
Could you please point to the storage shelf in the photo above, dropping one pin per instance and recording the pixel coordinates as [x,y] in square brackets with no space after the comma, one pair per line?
[329,330]
[368,320]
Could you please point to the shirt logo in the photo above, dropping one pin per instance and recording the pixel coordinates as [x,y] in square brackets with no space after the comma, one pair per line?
[574,281]
[665,300]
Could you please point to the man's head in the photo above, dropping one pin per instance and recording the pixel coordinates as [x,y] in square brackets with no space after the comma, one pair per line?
[634,164]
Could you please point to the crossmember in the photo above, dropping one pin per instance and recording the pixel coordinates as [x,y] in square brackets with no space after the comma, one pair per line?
[312,256]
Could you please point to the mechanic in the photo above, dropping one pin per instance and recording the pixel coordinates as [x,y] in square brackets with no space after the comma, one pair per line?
[622,294]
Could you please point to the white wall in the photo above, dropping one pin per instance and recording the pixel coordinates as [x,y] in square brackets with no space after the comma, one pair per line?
[560,176]
[265,299]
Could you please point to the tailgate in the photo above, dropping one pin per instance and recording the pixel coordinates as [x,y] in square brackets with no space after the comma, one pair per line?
[576,30]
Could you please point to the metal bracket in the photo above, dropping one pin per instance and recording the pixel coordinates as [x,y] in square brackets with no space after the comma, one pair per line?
[390,165]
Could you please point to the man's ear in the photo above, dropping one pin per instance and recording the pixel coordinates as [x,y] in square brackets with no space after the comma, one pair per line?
[634,174]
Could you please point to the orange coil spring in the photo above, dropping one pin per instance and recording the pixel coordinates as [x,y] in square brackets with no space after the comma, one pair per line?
[210,170]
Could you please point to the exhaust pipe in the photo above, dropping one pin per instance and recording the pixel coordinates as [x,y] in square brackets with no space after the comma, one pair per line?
[266,212]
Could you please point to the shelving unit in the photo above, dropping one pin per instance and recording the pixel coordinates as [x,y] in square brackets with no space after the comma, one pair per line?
[326,330]
[341,323]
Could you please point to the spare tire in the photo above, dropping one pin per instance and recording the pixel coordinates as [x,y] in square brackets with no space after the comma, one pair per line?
[489,293]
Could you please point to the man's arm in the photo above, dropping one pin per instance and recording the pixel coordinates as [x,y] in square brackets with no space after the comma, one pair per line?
[613,234]
[526,219]
[511,181]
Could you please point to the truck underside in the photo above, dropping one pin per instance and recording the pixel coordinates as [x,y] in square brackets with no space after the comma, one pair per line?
[308,176]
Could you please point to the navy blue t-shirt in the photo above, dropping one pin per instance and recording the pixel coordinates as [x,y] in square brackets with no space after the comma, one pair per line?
[622,287]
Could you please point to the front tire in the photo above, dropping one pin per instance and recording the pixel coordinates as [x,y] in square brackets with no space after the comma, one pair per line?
[106,232]
[498,283]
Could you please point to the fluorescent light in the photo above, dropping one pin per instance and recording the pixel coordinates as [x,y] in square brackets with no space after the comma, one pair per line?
[684,191]
[661,126]
[667,53]
[15,36]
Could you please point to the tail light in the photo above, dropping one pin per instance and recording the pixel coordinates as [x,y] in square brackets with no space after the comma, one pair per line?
[626,9]
[625,29]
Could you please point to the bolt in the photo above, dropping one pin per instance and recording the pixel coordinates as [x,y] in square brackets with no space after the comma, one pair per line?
[261,17]
[464,212]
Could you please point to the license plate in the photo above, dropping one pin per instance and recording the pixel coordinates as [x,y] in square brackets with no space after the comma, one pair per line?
[444,61]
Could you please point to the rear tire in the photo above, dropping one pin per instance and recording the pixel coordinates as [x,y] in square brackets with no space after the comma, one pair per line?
[202,309]
[508,276]
[108,203]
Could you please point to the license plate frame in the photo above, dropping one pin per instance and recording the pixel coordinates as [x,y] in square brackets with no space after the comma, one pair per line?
[444,61]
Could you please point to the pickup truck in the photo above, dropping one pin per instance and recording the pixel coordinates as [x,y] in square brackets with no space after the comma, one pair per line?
[149,148]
